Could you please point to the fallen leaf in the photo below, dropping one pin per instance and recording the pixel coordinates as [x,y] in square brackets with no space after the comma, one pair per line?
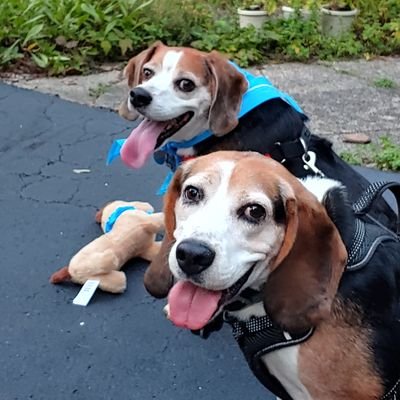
[61,41]
[71,44]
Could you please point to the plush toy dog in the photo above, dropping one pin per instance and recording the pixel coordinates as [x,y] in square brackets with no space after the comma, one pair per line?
[130,230]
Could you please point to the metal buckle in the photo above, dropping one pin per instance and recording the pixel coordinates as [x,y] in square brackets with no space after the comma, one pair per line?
[228,317]
[309,159]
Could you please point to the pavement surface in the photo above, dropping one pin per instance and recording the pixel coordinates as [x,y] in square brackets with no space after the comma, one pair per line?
[340,97]
[119,347]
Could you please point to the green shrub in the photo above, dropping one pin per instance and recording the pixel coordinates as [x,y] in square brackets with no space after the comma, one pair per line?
[65,36]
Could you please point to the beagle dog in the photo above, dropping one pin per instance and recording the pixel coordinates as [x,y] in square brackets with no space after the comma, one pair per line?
[193,103]
[319,325]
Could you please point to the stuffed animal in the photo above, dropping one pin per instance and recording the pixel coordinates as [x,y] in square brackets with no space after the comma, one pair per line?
[130,230]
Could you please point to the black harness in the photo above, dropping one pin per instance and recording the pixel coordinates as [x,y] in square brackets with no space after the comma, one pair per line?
[259,336]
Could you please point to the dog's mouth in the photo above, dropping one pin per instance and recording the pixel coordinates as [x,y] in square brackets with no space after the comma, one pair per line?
[149,135]
[192,306]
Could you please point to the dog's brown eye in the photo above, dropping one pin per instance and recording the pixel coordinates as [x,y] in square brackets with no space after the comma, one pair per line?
[254,213]
[186,85]
[193,194]
[147,73]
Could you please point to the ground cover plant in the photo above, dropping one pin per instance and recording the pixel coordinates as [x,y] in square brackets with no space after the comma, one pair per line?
[383,155]
[70,36]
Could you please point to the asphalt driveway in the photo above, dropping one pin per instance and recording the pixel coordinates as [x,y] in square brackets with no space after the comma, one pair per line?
[120,347]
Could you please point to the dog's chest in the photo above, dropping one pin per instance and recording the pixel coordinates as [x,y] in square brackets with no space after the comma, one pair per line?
[283,364]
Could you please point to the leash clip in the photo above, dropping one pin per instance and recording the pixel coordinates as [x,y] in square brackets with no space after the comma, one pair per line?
[309,159]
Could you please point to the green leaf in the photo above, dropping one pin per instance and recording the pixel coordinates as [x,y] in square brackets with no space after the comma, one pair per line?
[41,60]
[272,35]
[32,20]
[143,5]
[125,45]
[10,53]
[89,9]
[110,26]
[33,33]
[106,46]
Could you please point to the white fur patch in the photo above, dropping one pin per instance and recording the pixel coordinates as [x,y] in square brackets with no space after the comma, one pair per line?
[283,364]
[320,186]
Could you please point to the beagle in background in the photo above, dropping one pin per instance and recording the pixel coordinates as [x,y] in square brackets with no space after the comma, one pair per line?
[316,316]
[194,103]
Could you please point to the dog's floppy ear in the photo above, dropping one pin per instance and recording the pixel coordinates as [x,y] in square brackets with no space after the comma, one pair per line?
[158,279]
[132,72]
[304,279]
[228,87]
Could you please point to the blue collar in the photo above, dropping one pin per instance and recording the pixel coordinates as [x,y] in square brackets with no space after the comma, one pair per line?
[112,219]
[259,90]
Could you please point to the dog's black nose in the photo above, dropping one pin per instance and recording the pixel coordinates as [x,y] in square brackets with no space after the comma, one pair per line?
[194,256]
[140,97]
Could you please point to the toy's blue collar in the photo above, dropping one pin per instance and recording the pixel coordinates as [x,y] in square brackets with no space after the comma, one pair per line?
[259,90]
[112,219]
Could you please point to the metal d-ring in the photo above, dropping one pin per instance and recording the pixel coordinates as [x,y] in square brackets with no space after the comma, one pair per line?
[309,159]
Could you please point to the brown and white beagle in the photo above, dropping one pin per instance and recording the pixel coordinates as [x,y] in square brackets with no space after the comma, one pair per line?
[237,220]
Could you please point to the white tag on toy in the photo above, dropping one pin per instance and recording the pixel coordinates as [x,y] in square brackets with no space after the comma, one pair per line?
[86,292]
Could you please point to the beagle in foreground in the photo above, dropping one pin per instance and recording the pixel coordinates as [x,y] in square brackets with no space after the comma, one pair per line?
[311,290]
[194,103]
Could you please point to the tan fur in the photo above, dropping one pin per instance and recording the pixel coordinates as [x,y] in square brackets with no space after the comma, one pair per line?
[133,235]
[336,362]
[158,278]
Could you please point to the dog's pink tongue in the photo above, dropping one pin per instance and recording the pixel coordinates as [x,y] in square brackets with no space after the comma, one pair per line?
[191,306]
[140,143]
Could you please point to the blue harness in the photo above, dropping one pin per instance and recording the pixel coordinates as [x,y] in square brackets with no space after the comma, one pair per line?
[259,90]
[112,219]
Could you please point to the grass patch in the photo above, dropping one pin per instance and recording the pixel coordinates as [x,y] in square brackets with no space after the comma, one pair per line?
[385,155]
[99,90]
[385,83]
[69,36]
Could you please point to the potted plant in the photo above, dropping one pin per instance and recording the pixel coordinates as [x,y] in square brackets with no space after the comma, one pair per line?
[305,8]
[337,17]
[256,12]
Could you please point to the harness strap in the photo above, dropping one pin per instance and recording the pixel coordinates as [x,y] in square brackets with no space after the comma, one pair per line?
[364,204]
[393,393]
[259,336]
[369,233]
[283,151]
